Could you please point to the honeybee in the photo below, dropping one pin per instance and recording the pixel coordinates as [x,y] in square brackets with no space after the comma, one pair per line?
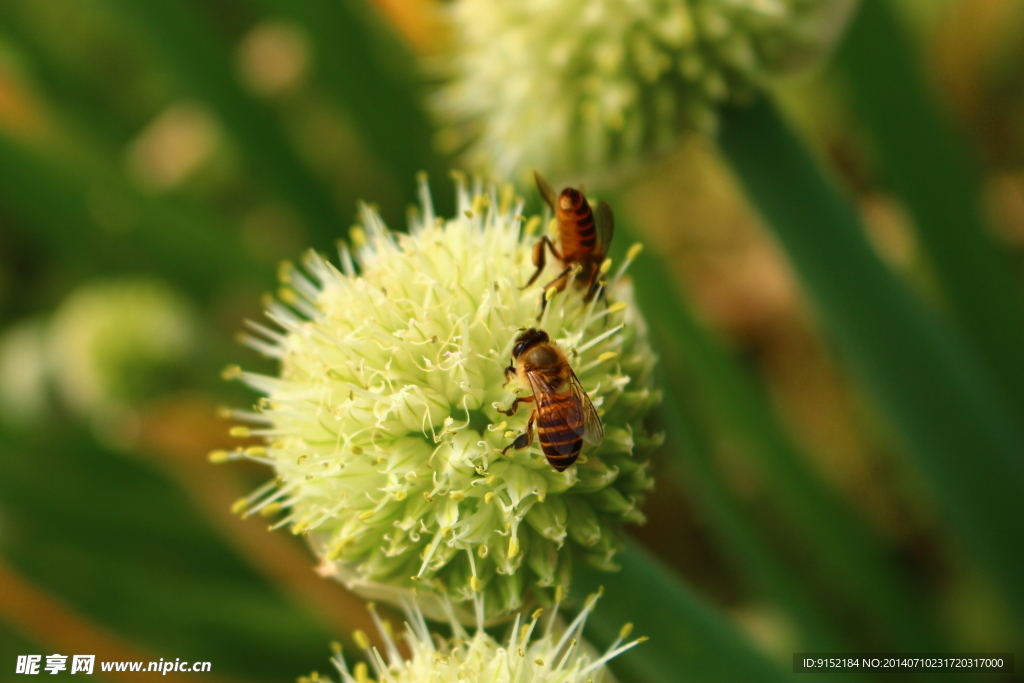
[583,235]
[563,412]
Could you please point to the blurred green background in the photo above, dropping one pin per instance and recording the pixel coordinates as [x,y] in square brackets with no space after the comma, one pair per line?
[830,482]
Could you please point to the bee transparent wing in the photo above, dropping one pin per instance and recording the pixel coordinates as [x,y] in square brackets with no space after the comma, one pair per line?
[591,430]
[557,410]
[546,191]
[605,221]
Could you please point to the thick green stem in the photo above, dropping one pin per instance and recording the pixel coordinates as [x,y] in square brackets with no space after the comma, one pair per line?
[851,557]
[927,380]
[926,164]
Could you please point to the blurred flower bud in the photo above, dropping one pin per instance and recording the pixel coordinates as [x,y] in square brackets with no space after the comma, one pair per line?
[591,88]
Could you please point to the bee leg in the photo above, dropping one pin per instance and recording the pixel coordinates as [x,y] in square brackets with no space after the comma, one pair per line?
[509,371]
[515,406]
[523,440]
[544,294]
[539,259]
[596,286]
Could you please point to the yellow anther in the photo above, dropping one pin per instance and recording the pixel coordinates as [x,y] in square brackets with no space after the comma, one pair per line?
[483,550]
[301,459]
[459,177]
[542,496]
[489,497]
[634,251]
[239,505]
[427,497]
[421,177]
[617,306]
[356,450]
[240,432]
[492,480]
[559,594]
[357,235]
[401,494]
[468,213]
[509,434]
[284,271]
[537,613]
[532,225]
[550,292]
[606,265]
[365,515]
[606,356]
[287,295]
[361,639]
[642,639]
[335,647]
[513,547]
[218,456]
[224,413]
[417,579]
[480,202]
[508,193]
[300,528]
[270,510]
[539,662]
[476,584]
[457,496]
[360,672]
[231,372]
[256,451]
[521,652]
[626,629]
[446,531]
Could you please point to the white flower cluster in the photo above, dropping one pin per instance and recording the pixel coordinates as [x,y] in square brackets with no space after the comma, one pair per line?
[539,649]
[584,86]
[384,430]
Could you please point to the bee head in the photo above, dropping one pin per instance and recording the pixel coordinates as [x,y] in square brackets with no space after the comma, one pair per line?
[571,199]
[527,339]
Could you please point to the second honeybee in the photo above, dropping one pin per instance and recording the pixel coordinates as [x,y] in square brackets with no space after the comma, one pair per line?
[563,413]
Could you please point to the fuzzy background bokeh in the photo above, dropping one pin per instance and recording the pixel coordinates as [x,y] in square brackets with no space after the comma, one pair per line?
[158,160]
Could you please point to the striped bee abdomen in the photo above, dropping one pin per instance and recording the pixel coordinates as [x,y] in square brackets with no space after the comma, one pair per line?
[577,232]
[560,429]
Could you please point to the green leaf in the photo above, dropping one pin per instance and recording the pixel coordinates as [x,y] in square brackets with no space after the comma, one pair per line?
[751,556]
[59,197]
[121,544]
[202,60]
[853,559]
[369,71]
[689,641]
[930,384]
[925,162]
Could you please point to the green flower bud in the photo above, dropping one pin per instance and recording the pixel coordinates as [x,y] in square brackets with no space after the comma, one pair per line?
[118,342]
